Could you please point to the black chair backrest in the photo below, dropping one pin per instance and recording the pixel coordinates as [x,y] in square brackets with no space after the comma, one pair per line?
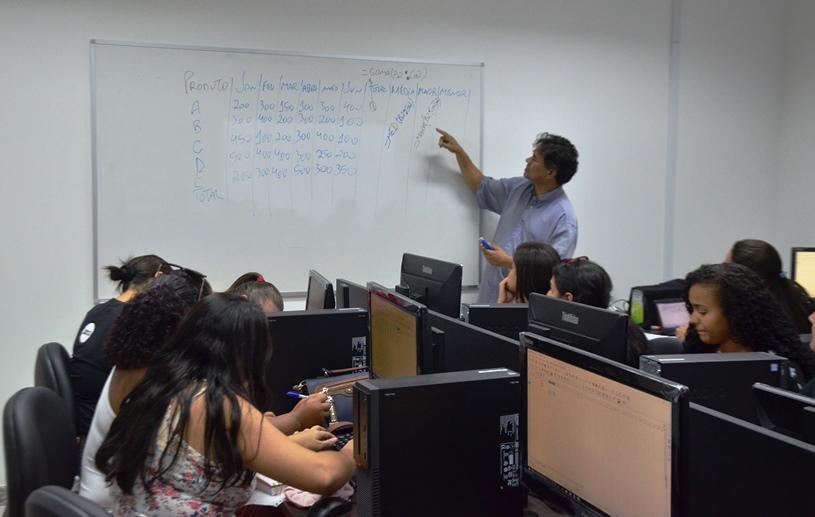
[39,442]
[665,345]
[51,371]
[57,501]
[330,507]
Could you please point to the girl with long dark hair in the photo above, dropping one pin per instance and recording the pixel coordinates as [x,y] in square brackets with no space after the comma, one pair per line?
[189,438]
[762,257]
[531,271]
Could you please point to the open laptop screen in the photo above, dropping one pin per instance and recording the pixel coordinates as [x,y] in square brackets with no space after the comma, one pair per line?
[672,313]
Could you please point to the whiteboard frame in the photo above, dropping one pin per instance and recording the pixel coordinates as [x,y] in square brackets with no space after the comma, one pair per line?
[93,42]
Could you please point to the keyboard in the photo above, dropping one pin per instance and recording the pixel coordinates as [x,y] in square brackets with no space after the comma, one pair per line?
[343,437]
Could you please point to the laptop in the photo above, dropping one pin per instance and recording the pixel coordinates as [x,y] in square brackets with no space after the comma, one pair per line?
[673,313]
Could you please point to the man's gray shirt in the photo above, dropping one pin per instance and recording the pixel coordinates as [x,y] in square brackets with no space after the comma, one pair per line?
[547,218]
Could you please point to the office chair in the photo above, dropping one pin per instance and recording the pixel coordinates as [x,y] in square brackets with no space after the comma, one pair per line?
[57,501]
[665,345]
[330,507]
[51,371]
[39,442]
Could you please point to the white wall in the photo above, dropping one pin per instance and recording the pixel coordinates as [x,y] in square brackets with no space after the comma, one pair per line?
[596,71]
[795,223]
[731,65]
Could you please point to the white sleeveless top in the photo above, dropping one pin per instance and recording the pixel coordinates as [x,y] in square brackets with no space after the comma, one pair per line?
[92,484]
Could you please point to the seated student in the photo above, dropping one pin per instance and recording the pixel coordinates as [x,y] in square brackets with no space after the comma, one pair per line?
[255,288]
[583,281]
[812,332]
[732,310]
[762,257]
[189,438]
[531,272]
[88,369]
[143,327]
[809,389]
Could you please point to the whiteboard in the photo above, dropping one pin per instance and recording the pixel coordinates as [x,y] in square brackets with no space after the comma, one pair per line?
[233,160]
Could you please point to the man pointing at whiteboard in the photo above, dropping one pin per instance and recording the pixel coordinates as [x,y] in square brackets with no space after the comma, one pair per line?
[532,208]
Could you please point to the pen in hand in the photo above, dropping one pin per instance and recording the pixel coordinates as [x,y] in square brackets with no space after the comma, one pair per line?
[294,394]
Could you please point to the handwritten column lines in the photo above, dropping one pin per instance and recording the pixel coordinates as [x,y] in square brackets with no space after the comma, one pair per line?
[381,153]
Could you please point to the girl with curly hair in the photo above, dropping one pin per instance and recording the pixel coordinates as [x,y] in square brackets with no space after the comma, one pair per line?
[732,310]
[88,369]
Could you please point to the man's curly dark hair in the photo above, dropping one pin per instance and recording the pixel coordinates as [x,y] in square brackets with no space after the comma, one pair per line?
[755,318]
[148,321]
[558,154]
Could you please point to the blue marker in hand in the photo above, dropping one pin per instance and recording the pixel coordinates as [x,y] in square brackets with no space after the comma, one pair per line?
[485,244]
[296,395]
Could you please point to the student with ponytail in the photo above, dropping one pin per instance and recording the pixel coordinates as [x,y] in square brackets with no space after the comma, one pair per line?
[762,257]
[88,369]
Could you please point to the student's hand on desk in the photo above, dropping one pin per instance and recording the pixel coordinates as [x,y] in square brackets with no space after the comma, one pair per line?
[315,438]
[312,410]
[505,295]
[446,141]
[497,257]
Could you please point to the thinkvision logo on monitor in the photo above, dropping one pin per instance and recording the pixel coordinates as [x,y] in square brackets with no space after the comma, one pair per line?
[569,318]
[427,270]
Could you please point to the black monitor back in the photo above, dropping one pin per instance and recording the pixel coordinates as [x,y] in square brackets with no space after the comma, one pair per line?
[320,292]
[671,289]
[507,319]
[600,331]
[438,445]
[723,382]
[351,295]
[739,468]
[783,411]
[432,282]
[306,342]
[460,346]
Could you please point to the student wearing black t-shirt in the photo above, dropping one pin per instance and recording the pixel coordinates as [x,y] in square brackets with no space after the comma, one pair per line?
[88,369]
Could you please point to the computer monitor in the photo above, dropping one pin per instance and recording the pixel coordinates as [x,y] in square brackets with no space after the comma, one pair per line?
[507,319]
[460,346]
[431,282]
[320,292]
[673,313]
[307,342]
[783,411]
[400,336]
[601,435]
[599,331]
[803,268]
[739,468]
[350,294]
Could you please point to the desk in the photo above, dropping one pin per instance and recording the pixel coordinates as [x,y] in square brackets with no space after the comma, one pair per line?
[535,508]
